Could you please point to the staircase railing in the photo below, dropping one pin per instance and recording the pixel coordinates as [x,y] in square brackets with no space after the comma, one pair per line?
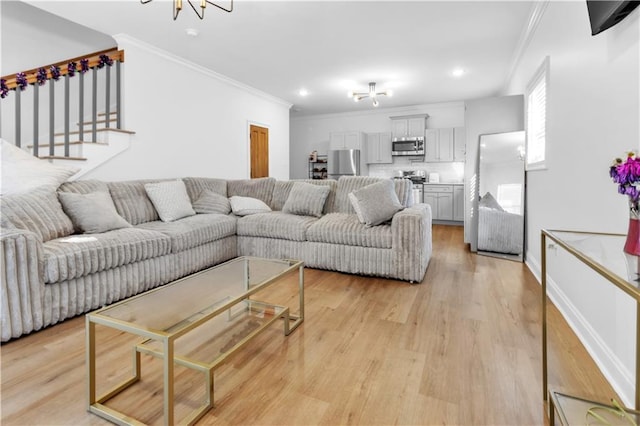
[98,64]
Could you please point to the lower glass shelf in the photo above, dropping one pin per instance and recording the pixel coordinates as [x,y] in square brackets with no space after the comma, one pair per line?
[576,411]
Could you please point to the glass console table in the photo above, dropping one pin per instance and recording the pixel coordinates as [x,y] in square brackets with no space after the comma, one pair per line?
[602,253]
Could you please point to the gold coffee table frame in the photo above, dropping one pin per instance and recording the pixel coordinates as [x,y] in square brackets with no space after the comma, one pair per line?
[258,274]
[565,239]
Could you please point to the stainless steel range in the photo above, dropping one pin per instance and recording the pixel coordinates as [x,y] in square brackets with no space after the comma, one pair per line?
[417,177]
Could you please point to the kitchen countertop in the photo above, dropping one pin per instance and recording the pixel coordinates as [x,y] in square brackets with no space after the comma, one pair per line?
[444,183]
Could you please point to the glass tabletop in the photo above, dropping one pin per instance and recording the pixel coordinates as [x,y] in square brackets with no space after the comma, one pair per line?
[175,306]
[602,252]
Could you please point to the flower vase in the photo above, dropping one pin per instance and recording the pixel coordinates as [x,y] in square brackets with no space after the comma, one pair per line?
[632,247]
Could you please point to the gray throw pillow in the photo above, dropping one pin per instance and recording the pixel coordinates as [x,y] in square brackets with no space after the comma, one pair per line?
[377,203]
[170,199]
[489,202]
[92,213]
[306,199]
[244,206]
[210,202]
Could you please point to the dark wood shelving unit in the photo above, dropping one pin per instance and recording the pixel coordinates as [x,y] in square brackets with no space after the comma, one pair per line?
[318,168]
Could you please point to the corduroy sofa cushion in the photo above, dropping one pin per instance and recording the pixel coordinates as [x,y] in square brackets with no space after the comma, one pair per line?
[262,188]
[195,186]
[38,211]
[195,230]
[79,255]
[132,202]
[279,225]
[346,229]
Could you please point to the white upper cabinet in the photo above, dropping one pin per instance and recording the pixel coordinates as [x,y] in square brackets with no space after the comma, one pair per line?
[345,140]
[408,126]
[439,145]
[459,144]
[379,148]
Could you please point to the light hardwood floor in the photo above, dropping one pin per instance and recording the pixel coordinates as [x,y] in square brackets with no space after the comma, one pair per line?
[462,347]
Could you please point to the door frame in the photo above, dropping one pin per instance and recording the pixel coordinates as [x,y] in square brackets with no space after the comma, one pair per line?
[259,124]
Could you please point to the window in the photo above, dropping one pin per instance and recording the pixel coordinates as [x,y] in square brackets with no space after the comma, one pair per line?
[510,197]
[536,99]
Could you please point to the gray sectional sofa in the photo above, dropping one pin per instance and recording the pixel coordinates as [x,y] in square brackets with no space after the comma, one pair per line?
[50,272]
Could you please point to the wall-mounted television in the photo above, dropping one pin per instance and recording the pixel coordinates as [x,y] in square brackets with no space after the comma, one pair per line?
[605,14]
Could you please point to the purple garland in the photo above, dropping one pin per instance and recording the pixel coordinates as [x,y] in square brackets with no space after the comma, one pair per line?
[21,81]
[105,60]
[55,73]
[4,90]
[41,76]
[71,69]
[84,65]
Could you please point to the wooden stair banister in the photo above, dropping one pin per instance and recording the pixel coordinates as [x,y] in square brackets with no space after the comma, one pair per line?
[94,59]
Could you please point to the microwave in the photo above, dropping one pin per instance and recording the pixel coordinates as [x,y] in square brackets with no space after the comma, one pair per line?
[408,146]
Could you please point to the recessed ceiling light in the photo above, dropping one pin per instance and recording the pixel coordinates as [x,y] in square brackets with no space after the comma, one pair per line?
[458,72]
[303,92]
[192,32]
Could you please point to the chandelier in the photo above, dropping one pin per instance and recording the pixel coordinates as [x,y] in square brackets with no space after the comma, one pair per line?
[177,7]
[370,94]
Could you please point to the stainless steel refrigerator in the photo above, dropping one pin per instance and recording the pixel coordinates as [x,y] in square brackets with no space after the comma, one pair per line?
[344,162]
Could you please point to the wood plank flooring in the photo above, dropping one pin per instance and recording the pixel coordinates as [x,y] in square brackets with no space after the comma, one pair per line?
[462,347]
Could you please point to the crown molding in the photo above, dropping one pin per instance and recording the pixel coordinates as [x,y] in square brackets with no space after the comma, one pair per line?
[127,39]
[535,16]
[398,111]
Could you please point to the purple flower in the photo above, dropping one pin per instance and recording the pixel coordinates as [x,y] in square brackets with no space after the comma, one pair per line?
[84,65]
[55,72]
[627,175]
[21,81]
[4,90]
[71,69]
[41,76]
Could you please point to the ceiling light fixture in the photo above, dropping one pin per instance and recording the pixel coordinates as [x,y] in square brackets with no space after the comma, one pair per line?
[303,92]
[370,94]
[177,7]
[458,72]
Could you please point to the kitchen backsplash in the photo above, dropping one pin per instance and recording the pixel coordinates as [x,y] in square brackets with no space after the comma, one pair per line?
[449,172]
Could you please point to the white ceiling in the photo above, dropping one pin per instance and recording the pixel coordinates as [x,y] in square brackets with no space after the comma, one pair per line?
[330,47]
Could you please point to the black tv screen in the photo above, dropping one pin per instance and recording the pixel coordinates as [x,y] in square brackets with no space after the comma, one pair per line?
[605,14]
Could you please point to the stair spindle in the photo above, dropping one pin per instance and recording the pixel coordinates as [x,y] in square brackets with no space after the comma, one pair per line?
[18,136]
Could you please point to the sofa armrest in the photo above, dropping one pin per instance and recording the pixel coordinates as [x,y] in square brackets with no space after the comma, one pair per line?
[22,282]
[411,242]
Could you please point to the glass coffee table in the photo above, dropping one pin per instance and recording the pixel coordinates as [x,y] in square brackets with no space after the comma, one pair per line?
[195,322]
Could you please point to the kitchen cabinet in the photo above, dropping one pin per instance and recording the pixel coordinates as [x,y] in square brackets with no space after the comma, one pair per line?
[345,140]
[439,145]
[459,144]
[458,203]
[379,148]
[409,126]
[440,198]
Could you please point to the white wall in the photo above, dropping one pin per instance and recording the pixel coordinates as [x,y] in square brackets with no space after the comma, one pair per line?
[485,116]
[32,37]
[190,121]
[312,132]
[593,116]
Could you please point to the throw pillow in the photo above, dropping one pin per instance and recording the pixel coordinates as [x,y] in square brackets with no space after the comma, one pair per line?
[244,206]
[356,207]
[377,202]
[489,202]
[92,213]
[22,172]
[170,199]
[306,199]
[210,202]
